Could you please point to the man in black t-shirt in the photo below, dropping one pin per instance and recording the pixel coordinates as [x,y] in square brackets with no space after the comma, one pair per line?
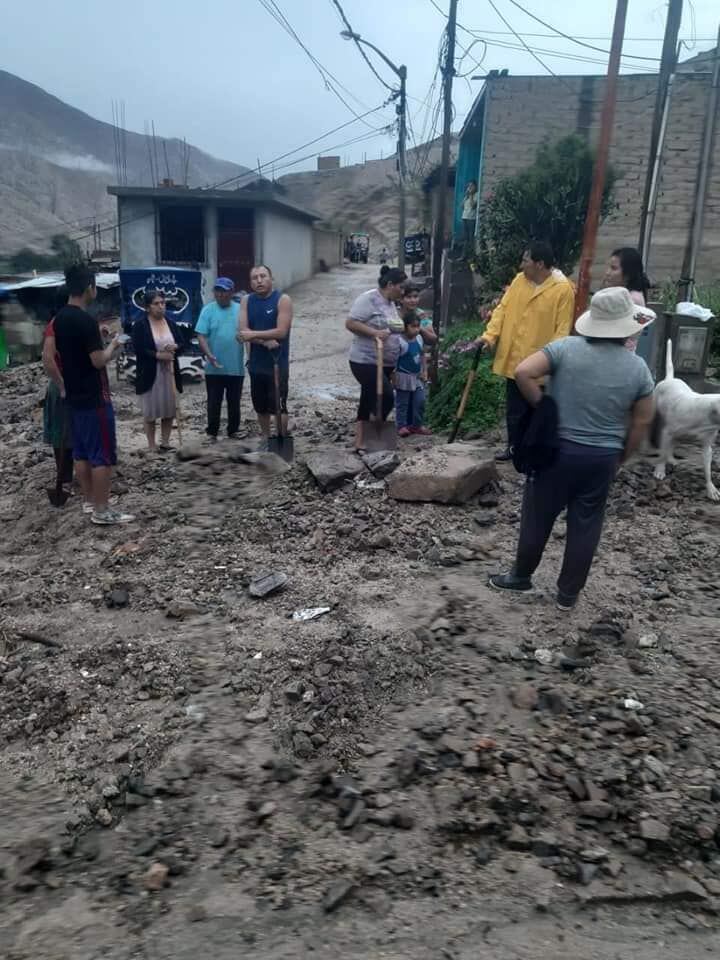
[84,361]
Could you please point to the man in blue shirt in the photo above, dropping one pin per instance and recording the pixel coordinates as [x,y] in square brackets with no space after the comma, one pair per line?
[265,322]
[224,370]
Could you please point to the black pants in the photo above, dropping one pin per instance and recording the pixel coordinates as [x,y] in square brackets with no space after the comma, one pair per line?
[516,406]
[219,385]
[580,480]
[366,376]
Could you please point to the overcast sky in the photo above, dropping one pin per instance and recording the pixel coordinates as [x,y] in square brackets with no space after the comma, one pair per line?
[225,75]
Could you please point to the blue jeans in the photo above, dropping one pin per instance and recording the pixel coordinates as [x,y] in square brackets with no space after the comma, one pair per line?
[410,407]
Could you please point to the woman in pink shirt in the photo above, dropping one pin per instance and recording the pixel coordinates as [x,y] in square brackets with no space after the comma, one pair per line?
[625,269]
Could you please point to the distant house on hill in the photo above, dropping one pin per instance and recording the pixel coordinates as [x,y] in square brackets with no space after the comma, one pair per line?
[512,115]
[221,233]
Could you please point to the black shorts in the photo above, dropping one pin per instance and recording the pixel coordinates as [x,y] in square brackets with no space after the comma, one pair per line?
[262,392]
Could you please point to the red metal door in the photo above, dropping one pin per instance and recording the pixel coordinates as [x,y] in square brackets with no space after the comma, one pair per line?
[236,245]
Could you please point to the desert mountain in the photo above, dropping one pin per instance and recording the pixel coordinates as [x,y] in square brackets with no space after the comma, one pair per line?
[55,163]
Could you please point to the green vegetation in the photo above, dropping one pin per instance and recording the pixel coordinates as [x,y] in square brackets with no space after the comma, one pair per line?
[707,295]
[547,201]
[487,399]
[65,252]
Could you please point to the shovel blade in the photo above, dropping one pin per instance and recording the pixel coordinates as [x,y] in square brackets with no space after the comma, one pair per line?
[57,496]
[380,436]
[282,446]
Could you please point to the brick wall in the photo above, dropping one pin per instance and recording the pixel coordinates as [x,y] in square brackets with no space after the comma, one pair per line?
[524,110]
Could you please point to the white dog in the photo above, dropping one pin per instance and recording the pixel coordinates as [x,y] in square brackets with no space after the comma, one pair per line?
[682,412]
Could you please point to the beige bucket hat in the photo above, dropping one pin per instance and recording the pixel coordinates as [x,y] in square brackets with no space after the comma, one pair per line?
[612,315]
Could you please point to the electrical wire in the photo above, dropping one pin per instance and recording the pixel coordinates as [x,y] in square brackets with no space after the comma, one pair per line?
[344,19]
[576,40]
[329,79]
[554,54]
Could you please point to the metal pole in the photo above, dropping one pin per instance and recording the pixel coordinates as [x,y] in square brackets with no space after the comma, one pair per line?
[603,149]
[649,214]
[402,164]
[668,63]
[439,231]
[687,281]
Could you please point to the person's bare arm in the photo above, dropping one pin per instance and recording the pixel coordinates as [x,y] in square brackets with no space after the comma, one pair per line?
[641,416]
[365,330]
[279,332]
[429,336]
[101,358]
[50,364]
[207,352]
[529,373]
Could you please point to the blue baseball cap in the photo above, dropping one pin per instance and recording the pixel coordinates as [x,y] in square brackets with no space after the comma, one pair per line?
[224,283]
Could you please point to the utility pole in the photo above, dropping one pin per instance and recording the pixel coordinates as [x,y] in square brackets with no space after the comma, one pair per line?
[441,216]
[402,162]
[607,119]
[668,64]
[687,280]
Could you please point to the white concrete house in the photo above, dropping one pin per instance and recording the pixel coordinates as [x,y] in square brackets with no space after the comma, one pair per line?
[219,232]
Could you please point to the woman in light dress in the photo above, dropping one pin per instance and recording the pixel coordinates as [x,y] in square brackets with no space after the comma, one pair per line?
[157,342]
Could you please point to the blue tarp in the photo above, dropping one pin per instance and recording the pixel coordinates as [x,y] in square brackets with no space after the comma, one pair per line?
[182,289]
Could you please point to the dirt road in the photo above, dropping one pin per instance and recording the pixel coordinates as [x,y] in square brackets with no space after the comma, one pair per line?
[427,770]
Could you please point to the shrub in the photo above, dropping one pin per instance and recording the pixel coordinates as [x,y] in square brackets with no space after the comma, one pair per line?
[547,201]
[487,399]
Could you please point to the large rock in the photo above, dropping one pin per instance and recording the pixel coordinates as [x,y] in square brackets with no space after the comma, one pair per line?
[382,463]
[448,474]
[331,468]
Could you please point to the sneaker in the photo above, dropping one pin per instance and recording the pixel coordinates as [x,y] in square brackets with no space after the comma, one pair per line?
[87,507]
[511,583]
[422,431]
[109,518]
[404,432]
[565,602]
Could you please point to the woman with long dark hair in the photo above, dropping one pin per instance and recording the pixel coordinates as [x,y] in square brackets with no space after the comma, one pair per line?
[374,316]
[625,269]
[157,342]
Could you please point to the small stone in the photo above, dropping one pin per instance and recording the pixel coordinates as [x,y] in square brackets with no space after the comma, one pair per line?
[294,691]
[261,711]
[648,640]
[266,810]
[699,792]
[337,894]
[544,656]
[575,786]
[382,463]
[264,584]
[525,697]
[654,830]
[104,817]
[303,745]
[471,761]
[594,855]
[518,838]
[179,609]
[196,914]
[403,820]
[117,599]
[595,809]
[156,877]
[283,771]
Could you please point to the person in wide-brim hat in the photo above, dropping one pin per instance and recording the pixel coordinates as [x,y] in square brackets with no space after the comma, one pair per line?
[604,398]
[612,315]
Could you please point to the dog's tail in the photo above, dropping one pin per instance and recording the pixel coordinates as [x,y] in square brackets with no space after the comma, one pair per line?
[669,369]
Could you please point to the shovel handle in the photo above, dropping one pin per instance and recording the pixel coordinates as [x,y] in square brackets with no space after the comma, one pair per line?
[465,394]
[379,379]
[276,382]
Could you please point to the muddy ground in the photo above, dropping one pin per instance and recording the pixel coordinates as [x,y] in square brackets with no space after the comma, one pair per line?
[428,770]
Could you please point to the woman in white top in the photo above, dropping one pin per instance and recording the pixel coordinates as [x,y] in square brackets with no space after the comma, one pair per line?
[469,216]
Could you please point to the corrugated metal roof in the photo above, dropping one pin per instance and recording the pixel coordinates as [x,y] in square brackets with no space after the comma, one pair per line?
[49,280]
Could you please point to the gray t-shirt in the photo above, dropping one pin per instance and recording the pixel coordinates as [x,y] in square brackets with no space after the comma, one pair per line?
[373,309]
[595,385]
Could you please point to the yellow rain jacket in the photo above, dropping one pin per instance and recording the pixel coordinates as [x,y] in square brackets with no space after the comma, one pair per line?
[528,318]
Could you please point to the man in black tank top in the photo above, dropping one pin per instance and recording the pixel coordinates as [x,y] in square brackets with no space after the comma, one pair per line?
[265,322]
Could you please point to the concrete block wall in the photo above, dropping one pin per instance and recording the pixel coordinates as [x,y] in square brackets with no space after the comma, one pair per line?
[522,111]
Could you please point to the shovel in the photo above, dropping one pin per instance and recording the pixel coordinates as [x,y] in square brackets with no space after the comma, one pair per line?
[280,444]
[380,434]
[466,394]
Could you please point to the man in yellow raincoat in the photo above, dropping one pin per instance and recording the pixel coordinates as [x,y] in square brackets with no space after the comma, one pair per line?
[536,308]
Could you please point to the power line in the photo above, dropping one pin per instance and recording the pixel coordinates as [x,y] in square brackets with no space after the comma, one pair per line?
[364,55]
[555,54]
[576,40]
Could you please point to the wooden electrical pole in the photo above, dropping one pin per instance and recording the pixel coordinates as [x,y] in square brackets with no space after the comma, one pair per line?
[667,69]
[439,232]
[607,119]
